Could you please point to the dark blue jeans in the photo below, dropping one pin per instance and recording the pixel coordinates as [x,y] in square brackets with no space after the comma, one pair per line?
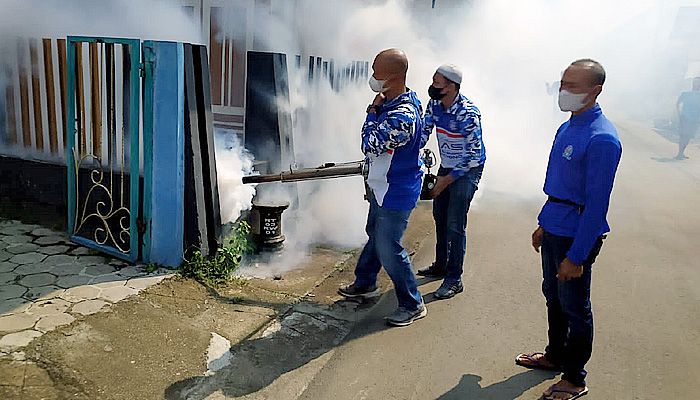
[568,309]
[385,228]
[450,214]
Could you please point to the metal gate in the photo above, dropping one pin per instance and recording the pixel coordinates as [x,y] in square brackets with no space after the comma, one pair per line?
[105,158]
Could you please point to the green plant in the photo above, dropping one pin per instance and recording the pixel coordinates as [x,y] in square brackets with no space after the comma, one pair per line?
[151,267]
[217,269]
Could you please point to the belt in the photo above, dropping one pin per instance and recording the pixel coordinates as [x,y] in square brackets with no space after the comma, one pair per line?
[569,202]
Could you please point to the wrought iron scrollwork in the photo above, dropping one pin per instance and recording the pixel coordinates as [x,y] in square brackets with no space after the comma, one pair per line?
[110,221]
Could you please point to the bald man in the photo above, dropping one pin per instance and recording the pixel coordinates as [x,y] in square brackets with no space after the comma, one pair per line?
[391,142]
[572,226]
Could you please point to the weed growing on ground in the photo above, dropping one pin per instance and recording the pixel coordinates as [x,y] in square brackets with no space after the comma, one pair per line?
[217,269]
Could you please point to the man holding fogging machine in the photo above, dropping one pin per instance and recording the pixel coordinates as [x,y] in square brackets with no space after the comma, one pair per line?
[457,122]
[391,142]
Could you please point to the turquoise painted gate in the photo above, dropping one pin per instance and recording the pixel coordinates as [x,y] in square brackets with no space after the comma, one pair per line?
[104,144]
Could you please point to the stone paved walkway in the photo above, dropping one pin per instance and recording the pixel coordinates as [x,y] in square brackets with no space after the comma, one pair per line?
[46,281]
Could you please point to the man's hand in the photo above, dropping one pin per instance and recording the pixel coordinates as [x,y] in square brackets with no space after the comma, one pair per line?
[537,238]
[569,270]
[440,184]
[379,99]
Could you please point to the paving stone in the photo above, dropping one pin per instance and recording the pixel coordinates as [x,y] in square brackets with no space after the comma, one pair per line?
[106,278]
[17,340]
[15,229]
[28,258]
[101,269]
[80,251]
[48,307]
[51,250]
[4,256]
[131,271]
[80,293]
[11,291]
[68,269]
[7,277]
[72,281]
[17,322]
[109,284]
[43,292]
[51,322]
[59,259]
[29,269]
[15,306]
[118,293]
[145,281]
[22,248]
[7,266]
[42,279]
[93,260]
[43,232]
[45,240]
[118,263]
[17,239]
[88,307]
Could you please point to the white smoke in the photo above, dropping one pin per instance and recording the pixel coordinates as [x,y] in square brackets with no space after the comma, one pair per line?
[233,162]
[508,50]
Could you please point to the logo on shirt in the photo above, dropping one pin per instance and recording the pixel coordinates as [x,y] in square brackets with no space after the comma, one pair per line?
[568,151]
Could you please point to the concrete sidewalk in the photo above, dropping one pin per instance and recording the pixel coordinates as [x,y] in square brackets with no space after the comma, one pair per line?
[47,282]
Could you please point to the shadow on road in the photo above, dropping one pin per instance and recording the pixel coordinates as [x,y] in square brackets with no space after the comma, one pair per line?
[509,389]
[304,333]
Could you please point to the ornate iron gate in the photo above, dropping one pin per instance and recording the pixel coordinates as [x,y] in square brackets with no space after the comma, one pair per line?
[103,144]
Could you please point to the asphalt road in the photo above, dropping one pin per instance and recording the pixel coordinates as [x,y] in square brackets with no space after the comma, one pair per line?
[646,301]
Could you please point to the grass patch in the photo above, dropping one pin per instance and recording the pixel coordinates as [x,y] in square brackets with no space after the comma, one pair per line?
[217,269]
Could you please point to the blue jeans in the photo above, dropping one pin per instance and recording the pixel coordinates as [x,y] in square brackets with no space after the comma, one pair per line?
[568,309]
[450,214]
[385,228]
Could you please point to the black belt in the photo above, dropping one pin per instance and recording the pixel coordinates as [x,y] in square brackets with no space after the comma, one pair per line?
[569,202]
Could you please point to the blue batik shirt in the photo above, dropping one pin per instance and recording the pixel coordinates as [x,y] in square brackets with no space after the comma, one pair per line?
[458,132]
[581,169]
[391,142]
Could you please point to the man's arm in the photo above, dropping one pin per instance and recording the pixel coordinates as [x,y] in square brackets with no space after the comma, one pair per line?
[679,105]
[604,154]
[394,131]
[471,131]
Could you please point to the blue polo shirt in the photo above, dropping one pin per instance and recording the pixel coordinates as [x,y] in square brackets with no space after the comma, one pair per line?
[581,169]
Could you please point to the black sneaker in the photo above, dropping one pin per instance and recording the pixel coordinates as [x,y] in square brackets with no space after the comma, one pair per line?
[449,290]
[353,292]
[433,271]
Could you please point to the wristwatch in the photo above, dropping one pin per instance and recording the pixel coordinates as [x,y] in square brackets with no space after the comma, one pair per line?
[373,108]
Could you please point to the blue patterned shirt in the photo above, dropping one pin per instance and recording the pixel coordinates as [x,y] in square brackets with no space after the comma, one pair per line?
[458,132]
[391,142]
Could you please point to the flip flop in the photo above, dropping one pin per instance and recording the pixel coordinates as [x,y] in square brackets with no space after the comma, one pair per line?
[533,363]
[576,394]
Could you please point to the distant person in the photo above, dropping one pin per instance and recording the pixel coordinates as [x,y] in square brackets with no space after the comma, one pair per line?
[457,123]
[572,226]
[688,108]
[391,142]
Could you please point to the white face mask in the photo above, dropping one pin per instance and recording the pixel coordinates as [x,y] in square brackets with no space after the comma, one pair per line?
[376,85]
[570,101]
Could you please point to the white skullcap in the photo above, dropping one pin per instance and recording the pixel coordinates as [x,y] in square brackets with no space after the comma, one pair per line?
[451,72]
